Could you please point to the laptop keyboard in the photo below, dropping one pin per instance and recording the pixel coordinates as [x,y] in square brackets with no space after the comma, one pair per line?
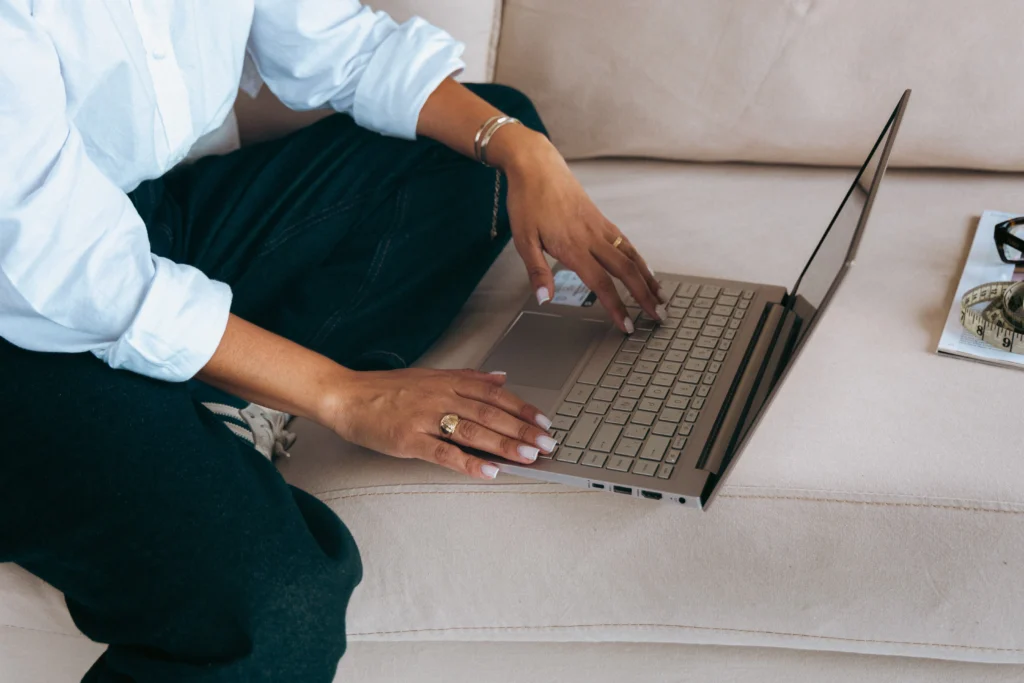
[634,409]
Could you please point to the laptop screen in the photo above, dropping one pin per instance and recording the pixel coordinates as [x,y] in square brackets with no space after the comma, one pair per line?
[837,246]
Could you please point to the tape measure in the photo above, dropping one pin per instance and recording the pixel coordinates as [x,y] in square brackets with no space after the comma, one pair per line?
[1001,323]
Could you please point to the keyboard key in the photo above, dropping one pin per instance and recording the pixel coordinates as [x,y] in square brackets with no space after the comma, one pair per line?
[714,367]
[644,323]
[572,455]
[640,335]
[706,342]
[646,367]
[603,395]
[658,344]
[611,382]
[626,358]
[643,418]
[710,377]
[631,392]
[616,417]
[681,302]
[670,368]
[721,310]
[689,377]
[693,323]
[673,457]
[650,405]
[656,392]
[684,429]
[675,356]
[654,448]
[671,322]
[718,320]
[678,402]
[728,301]
[703,302]
[729,334]
[701,354]
[692,415]
[598,407]
[604,439]
[594,459]
[626,404]
[747,294]
[644,468]
[689,289]
[638,379]
[681,389]
[650,356]
[665,471]
[744,305]
[683,345]
[619,463]
[697,313]
[668,288]
[664,333]
[676,312]
[696,365]
[672,415]
[632,347]
[570,409]
[686,333]
[579,394]
[585,427]
[710,290]
[719,356]
[679,442]
[739,314]
[628,447]
[703,391]
[730,291]
[697,403]
[562,422]
[635,432]
[618,370]
[713,331]
[663,380]
[664,428]
[725,345]
[734,324]
[558,435]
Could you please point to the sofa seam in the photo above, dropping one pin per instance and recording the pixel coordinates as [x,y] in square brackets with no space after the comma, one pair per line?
[47,632]
[725,629]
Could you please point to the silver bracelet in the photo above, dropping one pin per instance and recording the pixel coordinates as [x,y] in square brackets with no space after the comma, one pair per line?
[486,132]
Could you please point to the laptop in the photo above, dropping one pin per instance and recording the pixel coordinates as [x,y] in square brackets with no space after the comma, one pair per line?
[664,413]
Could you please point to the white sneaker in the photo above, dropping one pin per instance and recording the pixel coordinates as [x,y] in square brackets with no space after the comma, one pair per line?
[264,428]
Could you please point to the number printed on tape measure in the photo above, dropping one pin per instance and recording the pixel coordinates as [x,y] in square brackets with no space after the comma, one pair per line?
[999,336]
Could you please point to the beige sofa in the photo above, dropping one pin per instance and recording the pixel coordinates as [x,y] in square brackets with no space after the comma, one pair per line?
[874,530]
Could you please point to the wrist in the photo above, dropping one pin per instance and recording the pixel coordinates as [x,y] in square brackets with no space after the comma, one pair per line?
[334,397]
[516,147]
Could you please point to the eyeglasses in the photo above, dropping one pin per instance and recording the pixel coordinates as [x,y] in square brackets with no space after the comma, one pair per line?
[1010,241]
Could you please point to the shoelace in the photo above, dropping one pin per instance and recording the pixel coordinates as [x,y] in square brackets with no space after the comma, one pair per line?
[267,427]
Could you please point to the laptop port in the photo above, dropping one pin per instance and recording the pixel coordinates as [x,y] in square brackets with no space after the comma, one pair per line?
[651,494]
[623,489]
[596,486]
[682,501]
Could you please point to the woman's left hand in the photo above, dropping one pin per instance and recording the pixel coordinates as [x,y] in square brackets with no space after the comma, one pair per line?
[549,211]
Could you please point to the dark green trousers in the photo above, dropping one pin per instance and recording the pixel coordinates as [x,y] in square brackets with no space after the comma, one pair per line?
[171,539]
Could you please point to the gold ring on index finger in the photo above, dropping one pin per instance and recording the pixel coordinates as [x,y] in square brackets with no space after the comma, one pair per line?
[448,424]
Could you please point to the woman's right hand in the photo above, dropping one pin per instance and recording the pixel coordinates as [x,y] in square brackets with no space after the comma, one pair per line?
[398,412]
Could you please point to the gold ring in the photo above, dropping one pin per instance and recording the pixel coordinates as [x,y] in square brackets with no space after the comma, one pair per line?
[617,242]
[448,424]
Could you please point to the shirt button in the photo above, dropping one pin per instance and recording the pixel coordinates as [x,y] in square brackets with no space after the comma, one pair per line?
[158,54]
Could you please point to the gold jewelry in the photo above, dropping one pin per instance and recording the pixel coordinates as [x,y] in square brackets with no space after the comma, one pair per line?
[448,424]
[617,242]
[486,132]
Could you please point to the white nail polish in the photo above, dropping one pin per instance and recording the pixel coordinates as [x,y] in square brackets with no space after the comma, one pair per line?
[490,471]
[543,421]
[546,443]
[661,296]
[651,270]
[543,295]
[528,452]
[661,312]
[498,372]
[628,324]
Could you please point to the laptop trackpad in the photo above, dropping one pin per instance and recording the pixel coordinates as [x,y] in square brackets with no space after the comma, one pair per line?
[542,350]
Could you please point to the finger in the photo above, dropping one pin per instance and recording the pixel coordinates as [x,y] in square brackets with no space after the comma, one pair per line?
[449,455]
[498,377]
[508,402]
[472,434]
[537,268]
[530,437]
[596,277]
[615,261]
[646,271]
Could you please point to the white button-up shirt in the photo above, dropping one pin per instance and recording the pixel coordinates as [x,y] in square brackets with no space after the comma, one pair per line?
[97,96]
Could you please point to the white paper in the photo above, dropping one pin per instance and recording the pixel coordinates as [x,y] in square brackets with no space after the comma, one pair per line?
[983,266]
[569,289]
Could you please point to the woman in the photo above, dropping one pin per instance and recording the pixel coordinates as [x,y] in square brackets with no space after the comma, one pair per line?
[303,274]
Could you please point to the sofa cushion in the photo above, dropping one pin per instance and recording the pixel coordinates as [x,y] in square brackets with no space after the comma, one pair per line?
[778,81]
[879,508]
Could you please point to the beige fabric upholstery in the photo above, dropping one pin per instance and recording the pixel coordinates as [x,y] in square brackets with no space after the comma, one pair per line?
[878,509]
[791,81]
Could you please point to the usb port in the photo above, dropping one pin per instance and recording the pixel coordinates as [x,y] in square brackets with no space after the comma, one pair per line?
[653,495]
[596,486]
[623,489]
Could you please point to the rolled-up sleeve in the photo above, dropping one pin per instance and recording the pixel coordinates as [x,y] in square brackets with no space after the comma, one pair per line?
[338,53]
[76,272]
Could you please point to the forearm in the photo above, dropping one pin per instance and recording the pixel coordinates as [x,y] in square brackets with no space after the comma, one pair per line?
[267,369]
[453,114]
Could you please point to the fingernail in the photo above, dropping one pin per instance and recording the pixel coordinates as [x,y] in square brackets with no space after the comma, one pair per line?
[661,312]
[543,421]
[528,452]
[498,372]
[546,443]
[662,297]
[543,295]
[651,270]
[489,471]
[628,324]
